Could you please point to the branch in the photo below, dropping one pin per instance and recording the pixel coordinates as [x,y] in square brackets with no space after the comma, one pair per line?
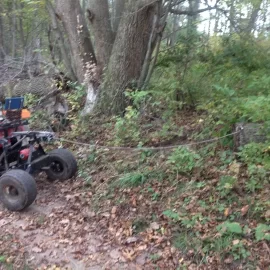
[190,12]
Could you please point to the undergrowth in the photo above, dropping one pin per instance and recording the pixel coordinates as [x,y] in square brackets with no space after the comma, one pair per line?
[211,202]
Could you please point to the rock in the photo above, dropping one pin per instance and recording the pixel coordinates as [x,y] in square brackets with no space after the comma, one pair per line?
[249,132]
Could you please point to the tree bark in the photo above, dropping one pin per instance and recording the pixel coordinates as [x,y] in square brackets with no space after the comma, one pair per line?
[2,54]
[61,41]
[232,15]
[119,6]
[217,18]
[14,29]
[70,13]
[191,25]
[128,55]
[173,36]
[99,17]
[253,17]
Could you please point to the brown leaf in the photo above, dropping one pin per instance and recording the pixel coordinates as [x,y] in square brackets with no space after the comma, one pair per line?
[235,168]
[227,212]
[236,242]
[229,260]
[115,254]
[131,240]
[36,249]
[154,226]
[267,214]
[114,209]
[244,210]
[129,254]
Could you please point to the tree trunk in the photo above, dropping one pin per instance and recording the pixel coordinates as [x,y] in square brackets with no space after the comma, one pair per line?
[191,25]
[99,17]
[217,18]
[119,6]
[128,55]
[253,17]
[173,36]
[21,30]
[14,29]
[2,53]
[59,36]
[70,12]
[232,16]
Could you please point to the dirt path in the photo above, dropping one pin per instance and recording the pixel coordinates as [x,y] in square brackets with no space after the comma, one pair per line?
[58,229]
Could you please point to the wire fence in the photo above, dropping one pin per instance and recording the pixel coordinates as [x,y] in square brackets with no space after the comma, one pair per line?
[158,148]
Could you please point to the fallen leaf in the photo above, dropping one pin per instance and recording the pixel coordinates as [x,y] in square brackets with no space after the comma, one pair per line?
[64,221]
[236,242]
[244,210]
[129,254]
[229,260]
[131,240]
[114,209]
[115,254]
[154,226]
[267,214]
[235,168]
[227,212]
[36,249]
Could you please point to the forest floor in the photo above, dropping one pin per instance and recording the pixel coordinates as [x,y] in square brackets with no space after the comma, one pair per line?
[130,210]
[58,230]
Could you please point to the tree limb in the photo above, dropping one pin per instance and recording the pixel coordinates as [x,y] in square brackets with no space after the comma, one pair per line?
[190,12]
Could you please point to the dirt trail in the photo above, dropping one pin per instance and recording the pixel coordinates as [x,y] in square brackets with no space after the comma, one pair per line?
[58,229]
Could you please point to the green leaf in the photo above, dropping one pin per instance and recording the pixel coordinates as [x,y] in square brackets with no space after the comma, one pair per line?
[230,227]
[234,227]
[262,232]
[2,259]
[170,214]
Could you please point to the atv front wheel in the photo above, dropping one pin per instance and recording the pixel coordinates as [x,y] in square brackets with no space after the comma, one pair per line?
[63,165]
[18,190]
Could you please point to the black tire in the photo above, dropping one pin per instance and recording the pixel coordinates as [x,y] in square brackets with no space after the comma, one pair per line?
[63,166]
[18,190]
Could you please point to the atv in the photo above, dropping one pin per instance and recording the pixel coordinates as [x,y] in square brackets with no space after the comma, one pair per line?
[22,155]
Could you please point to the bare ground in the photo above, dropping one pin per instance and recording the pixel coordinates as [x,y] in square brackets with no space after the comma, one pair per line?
[58,230]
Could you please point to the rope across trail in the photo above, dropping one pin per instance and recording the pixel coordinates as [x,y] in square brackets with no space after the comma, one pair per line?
[159,148]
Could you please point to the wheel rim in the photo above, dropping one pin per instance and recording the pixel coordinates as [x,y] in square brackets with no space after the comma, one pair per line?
[57,167]
[11,193]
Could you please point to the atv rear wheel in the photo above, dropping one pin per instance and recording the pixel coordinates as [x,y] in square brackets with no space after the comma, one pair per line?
[18,190]
[63,165]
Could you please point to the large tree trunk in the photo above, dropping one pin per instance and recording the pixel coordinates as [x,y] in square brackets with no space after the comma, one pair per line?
[232,15]
[14,29]
[99,17]
[217,18]
[253,17]
[192,20]
[2,54]
[70,12]
[128,55]
[59,36]
[119,6]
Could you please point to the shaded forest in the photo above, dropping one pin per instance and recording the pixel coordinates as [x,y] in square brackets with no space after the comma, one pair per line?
[166,105]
